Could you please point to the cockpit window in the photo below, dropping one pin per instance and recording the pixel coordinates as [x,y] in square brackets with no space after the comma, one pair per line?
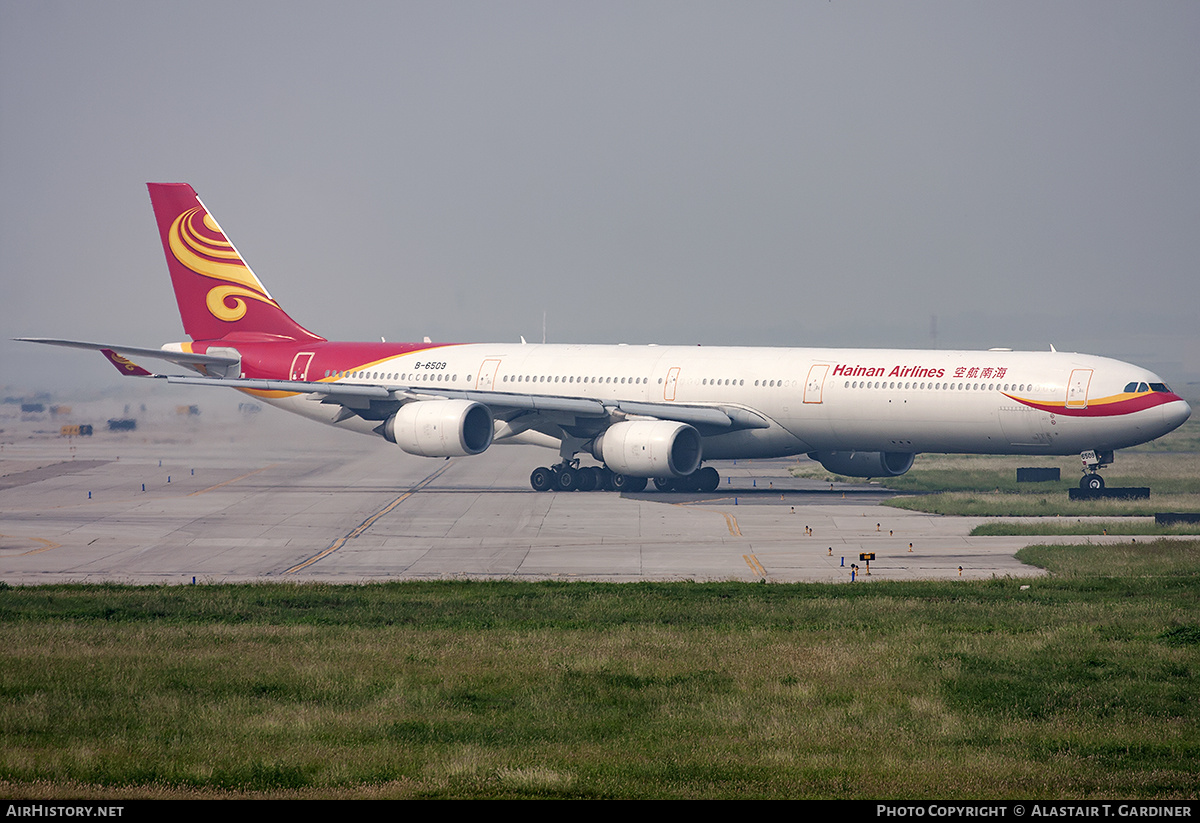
[1143,387]
[1131,387]
[1159,387]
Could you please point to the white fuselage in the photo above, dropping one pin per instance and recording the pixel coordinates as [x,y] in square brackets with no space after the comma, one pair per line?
[888,400]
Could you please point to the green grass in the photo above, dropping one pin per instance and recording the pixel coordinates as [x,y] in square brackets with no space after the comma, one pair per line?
[1044,504]
[1054,526]
[1080,686]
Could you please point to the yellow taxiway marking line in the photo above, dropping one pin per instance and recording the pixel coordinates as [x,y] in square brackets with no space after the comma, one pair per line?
[234,480]
[366,524]
[730,520]
[754,565]
[46,544]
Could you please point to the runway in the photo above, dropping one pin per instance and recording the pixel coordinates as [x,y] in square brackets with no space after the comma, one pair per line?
[281,499]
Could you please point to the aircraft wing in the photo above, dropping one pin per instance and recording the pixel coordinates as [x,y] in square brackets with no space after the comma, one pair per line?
[374,402]
[295,386]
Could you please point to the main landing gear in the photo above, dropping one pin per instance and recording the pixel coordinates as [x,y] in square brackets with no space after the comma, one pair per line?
[566,477]
[1093,462]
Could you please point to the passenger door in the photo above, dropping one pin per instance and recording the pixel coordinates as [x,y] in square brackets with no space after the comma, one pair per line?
[1077,388]
[672,381]
[487,374]
[814,388]
[299,370]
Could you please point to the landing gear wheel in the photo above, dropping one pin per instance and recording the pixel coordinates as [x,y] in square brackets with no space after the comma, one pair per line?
[587,479]
[602,475]
[1091,481]
[665,484]
[707,479]
[542,479]
[625,483]
[564,479]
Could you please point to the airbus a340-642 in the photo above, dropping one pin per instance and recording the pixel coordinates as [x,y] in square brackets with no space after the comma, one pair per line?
[640,412]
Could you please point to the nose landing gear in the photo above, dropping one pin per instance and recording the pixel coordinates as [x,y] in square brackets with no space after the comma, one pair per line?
[1093,462]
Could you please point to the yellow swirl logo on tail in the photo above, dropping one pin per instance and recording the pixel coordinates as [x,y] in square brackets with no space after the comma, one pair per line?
[210,254]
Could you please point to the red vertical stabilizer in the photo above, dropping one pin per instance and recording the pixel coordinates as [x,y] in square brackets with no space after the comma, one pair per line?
[218,295]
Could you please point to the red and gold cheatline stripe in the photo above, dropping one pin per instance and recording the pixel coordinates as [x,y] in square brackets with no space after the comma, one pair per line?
[1114,406]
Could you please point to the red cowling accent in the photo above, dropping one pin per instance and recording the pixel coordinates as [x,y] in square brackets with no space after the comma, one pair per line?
[218,295]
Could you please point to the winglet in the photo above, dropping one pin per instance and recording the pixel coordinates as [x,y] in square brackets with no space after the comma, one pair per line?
[124,365]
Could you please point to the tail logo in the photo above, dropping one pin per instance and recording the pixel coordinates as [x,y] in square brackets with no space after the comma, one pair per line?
[199,244]
[124,364]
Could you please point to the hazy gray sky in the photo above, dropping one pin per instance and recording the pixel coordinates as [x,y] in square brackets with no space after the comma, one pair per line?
[805,173]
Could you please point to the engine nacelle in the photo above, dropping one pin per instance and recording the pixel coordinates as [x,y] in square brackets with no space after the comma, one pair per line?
[441,428]
[865,464]
[649,448]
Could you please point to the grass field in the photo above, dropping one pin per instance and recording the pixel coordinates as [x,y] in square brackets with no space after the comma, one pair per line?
[1080,685]
[1068,526]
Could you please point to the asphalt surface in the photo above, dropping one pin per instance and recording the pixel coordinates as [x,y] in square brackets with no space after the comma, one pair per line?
[279,499]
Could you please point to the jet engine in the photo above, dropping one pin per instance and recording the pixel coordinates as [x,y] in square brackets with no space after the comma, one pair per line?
[649,448]
[865,464]
[441,428]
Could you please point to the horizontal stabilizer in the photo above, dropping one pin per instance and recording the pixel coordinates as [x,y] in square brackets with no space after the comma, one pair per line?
[177,357]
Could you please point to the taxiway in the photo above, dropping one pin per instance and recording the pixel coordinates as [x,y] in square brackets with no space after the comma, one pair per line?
[281,500]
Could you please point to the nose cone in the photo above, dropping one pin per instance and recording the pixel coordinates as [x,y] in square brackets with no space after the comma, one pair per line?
[1175,414]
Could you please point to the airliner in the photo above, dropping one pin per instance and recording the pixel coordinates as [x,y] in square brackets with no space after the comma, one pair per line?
[640,412]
